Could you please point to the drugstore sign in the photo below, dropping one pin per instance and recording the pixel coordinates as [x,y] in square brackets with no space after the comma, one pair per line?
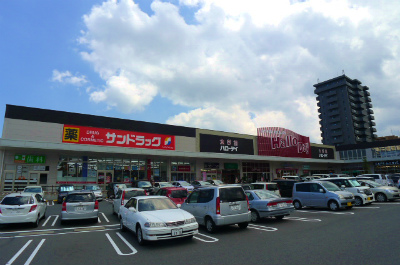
[110,137]
[30,159]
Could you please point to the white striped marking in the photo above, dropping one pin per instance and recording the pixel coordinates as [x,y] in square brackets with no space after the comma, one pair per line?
[55,220]
[105,217]
[263,228]
[134,251]
[34,252]
[207,241]
[367,207]
[302,219]
[345,213]
[18,253]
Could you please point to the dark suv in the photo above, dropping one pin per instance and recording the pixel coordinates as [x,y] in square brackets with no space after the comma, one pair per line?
[285,186]
[63,190]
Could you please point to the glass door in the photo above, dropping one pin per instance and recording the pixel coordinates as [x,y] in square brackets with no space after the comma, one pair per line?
[104,177]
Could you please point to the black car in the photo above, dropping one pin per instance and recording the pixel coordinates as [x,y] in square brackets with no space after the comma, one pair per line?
[285,186]
[144,184]
[63,190]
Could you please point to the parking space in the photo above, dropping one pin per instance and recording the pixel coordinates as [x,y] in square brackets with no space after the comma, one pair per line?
[103,242]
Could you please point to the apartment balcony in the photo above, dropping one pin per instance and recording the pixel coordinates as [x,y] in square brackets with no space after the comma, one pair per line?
[360,125]
[368,99]
[367,93]
[331,93]
[331,99]
[373,129]
[369,105]
[336,134]
[371,117]
[334,113]
[370,111]
[335,126]
[335,119]
[359,133]
[373,123]
[333,106]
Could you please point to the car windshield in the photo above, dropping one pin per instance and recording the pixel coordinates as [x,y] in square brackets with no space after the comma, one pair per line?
[66,188]
[144,184]
[121,186]
[218,182]
[330,186]
[184,183]
[178,193]
[354,183]
[38,190]
[17,200]
[263,194]
[204,183]
[373,183]
[92,188]
[155,204]
[133,193]
[165,184]
[232,194]
[80,197]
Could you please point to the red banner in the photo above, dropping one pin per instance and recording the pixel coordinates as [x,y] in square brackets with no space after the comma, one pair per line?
[276,141]
[109,137]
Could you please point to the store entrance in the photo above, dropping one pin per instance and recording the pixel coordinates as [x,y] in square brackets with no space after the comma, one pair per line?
[104,177]
[230,176]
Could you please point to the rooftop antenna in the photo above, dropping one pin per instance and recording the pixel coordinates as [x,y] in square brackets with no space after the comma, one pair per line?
[317,80]
[343,72]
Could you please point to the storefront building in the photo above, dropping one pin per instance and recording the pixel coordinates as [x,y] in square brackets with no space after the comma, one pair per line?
[49,148]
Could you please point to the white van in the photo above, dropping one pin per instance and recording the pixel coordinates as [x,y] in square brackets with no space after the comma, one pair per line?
[292,177]
[380,178]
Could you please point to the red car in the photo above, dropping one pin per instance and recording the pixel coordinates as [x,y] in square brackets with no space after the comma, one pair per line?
[177,194]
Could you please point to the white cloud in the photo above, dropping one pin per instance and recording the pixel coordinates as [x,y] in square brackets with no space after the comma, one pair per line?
[67,78]
[255,61]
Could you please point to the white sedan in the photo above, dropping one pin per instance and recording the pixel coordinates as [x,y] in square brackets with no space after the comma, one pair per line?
[156,218]
[22,208]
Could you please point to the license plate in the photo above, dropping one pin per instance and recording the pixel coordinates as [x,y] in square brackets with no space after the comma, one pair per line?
[281,205]
[235,207]
[349,204]
[80,208]
[176,232]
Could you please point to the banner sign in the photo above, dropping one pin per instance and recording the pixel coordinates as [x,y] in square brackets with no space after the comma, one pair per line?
[110,137]
[276,141]
[226,144]
[322,153]
[29,159]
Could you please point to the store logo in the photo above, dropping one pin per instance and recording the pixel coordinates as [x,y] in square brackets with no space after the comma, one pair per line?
[71,134]
[168,141]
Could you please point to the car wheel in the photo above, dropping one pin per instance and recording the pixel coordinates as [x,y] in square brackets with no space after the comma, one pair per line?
[121,225]
[297,205]
[243,225]
[359,201]
[36,223]
[333,206]
[139,236]
[380,197]
[279,217]
[255,217]
[210,225]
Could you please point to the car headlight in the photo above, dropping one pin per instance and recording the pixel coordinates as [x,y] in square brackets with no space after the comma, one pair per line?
[190,220]
[360,191]
[155,224]
[341,196]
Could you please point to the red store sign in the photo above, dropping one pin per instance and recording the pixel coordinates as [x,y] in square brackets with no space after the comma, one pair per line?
[276,141]
[110,137]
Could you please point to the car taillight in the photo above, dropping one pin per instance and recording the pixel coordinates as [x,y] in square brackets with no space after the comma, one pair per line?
[248,203]
[0,211]
[272,204]
[64,206]
[145,193]
[33,207]
[122,198]
[218,206]
[96,205]
[289,202]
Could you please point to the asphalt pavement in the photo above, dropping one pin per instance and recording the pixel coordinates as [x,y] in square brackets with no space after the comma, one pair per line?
[363,235]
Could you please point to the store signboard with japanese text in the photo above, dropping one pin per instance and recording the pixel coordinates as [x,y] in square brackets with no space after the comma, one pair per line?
[322,153]
[276,141]
[110,137]
[226,144]
[29,159]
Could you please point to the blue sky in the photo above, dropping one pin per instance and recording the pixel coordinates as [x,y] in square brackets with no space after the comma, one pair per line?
[223,65]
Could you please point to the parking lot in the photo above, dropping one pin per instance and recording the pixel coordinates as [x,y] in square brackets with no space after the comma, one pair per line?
[363,235]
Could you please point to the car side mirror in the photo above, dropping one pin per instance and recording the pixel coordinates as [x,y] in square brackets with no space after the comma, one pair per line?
[179,205]
[321,190]
[132,209]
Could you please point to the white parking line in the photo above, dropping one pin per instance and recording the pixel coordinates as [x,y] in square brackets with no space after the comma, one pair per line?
[343,213]
[367,207]
[34,252]
[55,220]
[263,228]
[18,253]
[386,203]
[207,241]
[105,217]
[134,251]
[302,219]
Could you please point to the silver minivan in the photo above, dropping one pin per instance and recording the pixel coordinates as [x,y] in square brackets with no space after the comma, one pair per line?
[219,205]
[321,194]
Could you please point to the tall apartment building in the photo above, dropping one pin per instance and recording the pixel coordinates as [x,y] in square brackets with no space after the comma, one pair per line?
[345,111]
